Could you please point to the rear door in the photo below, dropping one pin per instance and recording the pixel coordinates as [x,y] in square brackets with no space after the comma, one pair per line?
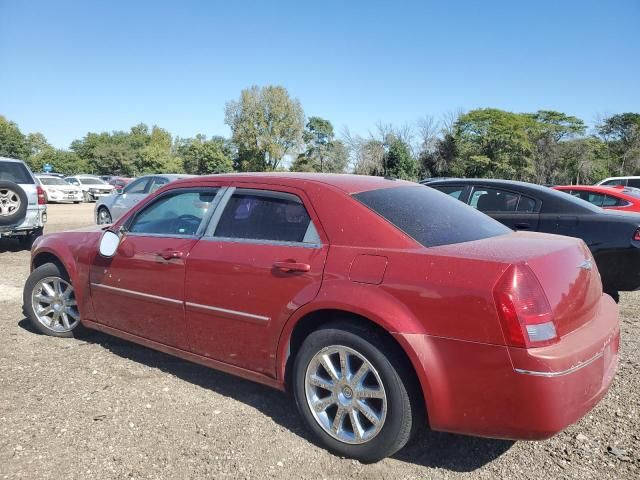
[261,258]
[513,209]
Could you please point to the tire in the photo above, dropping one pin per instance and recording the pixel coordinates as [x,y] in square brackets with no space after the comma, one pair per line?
[27,240]
[76,202]
[13,204]
[52,274]
[104,216]
[397,412]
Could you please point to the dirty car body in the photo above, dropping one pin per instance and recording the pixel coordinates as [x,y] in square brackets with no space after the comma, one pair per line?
[333,287]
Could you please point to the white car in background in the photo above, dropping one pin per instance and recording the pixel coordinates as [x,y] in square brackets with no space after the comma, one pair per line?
[57,190]
[92,187]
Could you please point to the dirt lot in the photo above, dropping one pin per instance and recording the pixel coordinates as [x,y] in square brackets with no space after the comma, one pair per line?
[105,408]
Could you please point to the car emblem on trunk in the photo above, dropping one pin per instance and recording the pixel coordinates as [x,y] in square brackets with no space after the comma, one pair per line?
[587,265]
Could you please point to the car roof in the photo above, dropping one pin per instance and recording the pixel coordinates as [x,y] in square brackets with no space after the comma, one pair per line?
[620,191]
[620,178]
[348,183]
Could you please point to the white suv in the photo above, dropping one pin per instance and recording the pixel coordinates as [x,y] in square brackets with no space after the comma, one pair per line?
[23,209]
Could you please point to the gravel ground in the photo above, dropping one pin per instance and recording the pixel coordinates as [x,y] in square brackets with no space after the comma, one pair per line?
[106,408]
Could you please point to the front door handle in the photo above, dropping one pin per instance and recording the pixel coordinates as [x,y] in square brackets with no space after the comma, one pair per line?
[169,254]
[291,266]
[522,226]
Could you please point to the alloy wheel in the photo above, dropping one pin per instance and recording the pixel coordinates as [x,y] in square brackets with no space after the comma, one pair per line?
[54,303]
[104,217]
[345,394]
[9,202]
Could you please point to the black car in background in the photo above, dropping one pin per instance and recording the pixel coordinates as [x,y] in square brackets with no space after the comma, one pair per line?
[613,237]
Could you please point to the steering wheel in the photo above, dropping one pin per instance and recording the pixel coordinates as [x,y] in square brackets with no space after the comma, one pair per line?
[189,223]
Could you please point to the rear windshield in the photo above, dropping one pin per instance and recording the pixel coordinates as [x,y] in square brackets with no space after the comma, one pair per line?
[15,172]
[430,217]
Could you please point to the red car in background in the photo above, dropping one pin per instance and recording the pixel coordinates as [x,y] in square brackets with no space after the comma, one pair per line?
[383,305]
[120,182]
[616,197]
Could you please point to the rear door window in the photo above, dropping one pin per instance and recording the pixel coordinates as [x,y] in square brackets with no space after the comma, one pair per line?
[616,181]
[15,172]
[266,215]
[494,200]
[430,217]
[634,182]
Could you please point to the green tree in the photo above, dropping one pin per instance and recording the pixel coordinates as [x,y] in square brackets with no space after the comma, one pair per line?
[201,156]
[266,125]
[12,142]
[399,162]
[63,161]
[621,132]
[322,153]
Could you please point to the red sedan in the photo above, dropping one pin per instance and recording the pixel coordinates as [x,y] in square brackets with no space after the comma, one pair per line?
[616,197]
[383,305]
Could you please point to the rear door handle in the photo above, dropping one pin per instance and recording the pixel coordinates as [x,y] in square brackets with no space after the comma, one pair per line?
[169,254]
[291,266]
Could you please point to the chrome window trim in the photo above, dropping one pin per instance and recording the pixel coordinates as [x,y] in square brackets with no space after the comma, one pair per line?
[563,372]
[257,241]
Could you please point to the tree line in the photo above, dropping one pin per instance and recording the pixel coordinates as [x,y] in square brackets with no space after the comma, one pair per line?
[270,132]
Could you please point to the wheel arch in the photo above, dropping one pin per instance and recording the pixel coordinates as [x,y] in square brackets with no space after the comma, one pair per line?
[315,319]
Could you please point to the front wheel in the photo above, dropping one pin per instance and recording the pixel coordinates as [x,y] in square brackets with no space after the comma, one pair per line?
[50,302]
[104,217]
[353,393]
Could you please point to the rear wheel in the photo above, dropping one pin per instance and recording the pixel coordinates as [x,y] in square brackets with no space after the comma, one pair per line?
[50,302]
[353,393]
[13,204]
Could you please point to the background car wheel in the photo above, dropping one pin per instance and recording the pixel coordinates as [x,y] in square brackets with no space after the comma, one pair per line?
[27,240]
[354,392]
[104,217]
[13,204]
[76,202]
[50,302]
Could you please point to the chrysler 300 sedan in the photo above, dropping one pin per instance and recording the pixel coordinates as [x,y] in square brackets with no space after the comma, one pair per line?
[382,305]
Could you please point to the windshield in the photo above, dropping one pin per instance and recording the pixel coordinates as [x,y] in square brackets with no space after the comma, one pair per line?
[91,181]
[15,172]
[431,217]
[52,181]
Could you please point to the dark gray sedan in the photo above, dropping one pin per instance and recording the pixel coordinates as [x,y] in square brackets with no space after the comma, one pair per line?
[108,209]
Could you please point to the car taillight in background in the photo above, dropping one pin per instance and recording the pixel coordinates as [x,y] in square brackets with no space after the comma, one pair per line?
[523,308]
[41,199]
[636,235]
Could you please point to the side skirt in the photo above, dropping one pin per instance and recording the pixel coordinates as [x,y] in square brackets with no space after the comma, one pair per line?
[189,356]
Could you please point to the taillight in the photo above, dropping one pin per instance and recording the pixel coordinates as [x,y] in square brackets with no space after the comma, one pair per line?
[41,199]
[636,236]
[523,308]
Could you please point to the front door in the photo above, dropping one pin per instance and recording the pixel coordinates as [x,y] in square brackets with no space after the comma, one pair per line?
[261,258]
[141,289]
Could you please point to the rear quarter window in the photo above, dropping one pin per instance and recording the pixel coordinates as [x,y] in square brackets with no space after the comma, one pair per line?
[15,172]
[430,217]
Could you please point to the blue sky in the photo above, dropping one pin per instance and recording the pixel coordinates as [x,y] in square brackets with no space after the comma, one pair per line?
[71,67]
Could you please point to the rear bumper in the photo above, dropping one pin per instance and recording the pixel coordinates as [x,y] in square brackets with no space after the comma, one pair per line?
[64,197]
[520,394]
[36,218]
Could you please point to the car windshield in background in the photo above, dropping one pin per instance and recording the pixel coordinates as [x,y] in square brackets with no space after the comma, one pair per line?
[430,217]
[91,181]
[52,181]
[15,172]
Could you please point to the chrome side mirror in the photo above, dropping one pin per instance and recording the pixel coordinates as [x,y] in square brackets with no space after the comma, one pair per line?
[109,244]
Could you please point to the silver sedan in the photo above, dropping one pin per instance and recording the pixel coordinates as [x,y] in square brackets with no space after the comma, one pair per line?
[110,208]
